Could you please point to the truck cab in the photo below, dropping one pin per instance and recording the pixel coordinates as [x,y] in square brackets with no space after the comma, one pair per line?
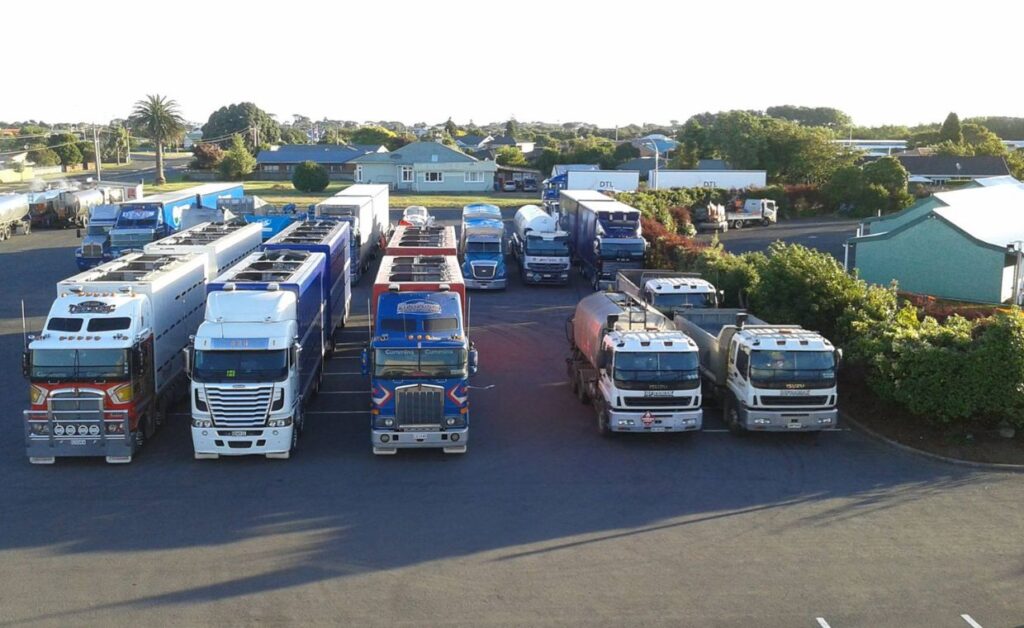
[482,247]
[758,211]
[668,294]
[540,247]
[95,247]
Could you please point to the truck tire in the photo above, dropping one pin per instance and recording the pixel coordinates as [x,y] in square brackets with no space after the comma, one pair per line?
[574,384]
[731,415]
[581,390]
[737,224]
[765,222]
[604,427]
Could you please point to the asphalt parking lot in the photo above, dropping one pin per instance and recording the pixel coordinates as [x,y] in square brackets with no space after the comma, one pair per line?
[542,522]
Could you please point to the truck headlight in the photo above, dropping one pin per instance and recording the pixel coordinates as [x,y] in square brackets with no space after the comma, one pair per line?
[39,428]
[36,394]
[202,423]
[122,394]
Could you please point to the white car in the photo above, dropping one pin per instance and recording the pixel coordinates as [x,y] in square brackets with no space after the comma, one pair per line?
[416,216]
[509,186]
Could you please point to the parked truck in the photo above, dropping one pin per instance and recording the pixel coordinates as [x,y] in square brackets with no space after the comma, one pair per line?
[225,244]
[710,217]
[419,358]
[14,213]
[768,377]
[667,290]
[95,248]
[254,209]
[365,207]
[640,373]
[147,219]
[257,358]
[107,365]
[605,235]
[330,237]
[44,210]
[482,247]
[433,240]
[540,247]
[757,211]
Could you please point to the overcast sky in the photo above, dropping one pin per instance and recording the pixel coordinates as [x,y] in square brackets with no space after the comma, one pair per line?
[601,62]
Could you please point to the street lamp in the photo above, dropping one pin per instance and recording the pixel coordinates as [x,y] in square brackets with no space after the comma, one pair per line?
[657,154]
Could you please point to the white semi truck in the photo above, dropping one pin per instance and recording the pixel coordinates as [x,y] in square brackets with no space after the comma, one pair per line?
[640,373]
[108,364]
[667,290]
[540,247]
[224,243]
[772,378]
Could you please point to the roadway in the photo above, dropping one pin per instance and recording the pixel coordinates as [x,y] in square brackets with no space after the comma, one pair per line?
[542,522]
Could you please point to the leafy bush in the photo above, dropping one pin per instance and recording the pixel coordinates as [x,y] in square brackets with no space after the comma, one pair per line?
[310,176]
[238,161]
[206,156]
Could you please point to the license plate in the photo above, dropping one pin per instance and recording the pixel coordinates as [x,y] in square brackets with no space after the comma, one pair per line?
[546,276]
[794,426]
[77,441]
[421,438]
[657,429]
[238,433]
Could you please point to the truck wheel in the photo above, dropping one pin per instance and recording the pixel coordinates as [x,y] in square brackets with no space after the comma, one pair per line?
[731,415]
[737,224]
[604,427]
[765,222]
[581,390]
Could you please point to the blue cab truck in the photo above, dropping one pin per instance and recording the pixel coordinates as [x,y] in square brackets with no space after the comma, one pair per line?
[154,217]
[482,247]
[419,358]
[257,358]
[333,239]
[604,235]
[95,247]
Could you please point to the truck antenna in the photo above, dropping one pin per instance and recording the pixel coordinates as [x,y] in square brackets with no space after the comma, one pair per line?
[24,325]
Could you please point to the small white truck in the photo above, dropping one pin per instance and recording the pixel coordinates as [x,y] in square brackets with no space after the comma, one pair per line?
[667,290]
[640,373]
[756,211]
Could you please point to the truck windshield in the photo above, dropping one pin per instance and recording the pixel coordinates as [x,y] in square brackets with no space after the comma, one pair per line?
[240,366]
[79,364]
[483,247]
[622,250]
[779,369]
[419,363]
[668,303]
[635,370]
[135,218]
[97,230]
[540,246]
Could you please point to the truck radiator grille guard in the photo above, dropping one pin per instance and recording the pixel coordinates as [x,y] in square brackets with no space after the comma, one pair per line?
[92,250]
[547,268]
[239,407]
[419,405]
[656,402]
[80,414]
[483,270]
[781,401]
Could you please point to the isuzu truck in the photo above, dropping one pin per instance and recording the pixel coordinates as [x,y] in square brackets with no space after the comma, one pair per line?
[257,358]
[419,358]
[605,235]
[108,363]
[365,207]
[667,290]
[772,378]
[640,373]
[540,247]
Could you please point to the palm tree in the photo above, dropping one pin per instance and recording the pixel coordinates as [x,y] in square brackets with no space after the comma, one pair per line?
[157,118]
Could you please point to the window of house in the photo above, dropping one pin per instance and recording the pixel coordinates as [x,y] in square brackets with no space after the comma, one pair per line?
[270,167]
[474,177]
[359,173]
[433,177]
[406,174]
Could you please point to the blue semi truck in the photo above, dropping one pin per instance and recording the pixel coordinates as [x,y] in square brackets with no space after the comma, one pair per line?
[482,247]
[154,217]
[333,239]
[419,358]
[604,235]
[257,358]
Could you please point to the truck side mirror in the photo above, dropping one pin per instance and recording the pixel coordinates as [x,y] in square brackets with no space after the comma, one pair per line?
[474,361]
[296,353]
[186,353]
[26,363]
[602,359]
[364,359]
[839,357]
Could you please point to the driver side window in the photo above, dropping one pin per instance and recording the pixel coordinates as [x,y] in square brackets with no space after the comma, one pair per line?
[742,362]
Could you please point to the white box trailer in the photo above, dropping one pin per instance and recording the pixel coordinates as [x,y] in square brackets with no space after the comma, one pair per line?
[224,243]
[718,179]
[366,208]
[610,180]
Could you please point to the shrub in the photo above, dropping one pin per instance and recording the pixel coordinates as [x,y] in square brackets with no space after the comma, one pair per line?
[238,161]
[310,176]
[206,156]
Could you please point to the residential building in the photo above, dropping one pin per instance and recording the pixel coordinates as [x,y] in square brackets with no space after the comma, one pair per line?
[962,245]
[655,142]
[280,161]
[875,148]
[192,138]
[426,167]
[473,142]
[940,169]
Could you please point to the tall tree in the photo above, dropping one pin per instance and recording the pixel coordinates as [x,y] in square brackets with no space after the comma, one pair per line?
[242,118]
[115,146]
[157,118]
[951,130]
[511,127]
[66,147]
[451,127]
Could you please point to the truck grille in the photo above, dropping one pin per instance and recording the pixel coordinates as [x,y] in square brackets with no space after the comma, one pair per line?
[92,250]
[239,407]
[72,406]
[546,268]
[779,400]
[419,405]
[483,271]
[656,402]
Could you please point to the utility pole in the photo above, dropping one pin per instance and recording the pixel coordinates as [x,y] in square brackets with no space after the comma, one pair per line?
[98,157]
[128,148]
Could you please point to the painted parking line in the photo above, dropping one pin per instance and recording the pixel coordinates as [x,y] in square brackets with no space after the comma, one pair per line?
[821,622]
[970,621]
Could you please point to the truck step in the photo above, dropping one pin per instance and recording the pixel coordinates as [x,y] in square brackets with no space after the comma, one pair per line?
[280,456]
[118,459]
[384,451]
[455,450]
[37,460]
[199,456]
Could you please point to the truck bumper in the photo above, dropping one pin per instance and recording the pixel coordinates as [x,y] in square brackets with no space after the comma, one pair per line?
[486,284]
[389,441]
[796,420]
[212,442]
[664,421]
[546,277]
[45,449]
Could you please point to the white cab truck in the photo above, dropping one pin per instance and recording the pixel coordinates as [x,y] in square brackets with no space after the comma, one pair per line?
[257,358]
[108,363]
[667,290]
[640,373]
[770,378]
[753,211]
[225,244]
[540,247]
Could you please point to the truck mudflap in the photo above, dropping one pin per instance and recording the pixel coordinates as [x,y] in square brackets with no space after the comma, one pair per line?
[211,443]
[453,441]
[48,436]
[655,421]
[795,420]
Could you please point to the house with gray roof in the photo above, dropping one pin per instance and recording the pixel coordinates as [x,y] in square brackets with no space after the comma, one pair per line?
[426,167]
[940,169]
[279,162]
[473,142]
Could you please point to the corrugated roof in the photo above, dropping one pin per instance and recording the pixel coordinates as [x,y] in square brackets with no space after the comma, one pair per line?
[988,182]
[994,215]
[952,166]
[319,153]
[417,152]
